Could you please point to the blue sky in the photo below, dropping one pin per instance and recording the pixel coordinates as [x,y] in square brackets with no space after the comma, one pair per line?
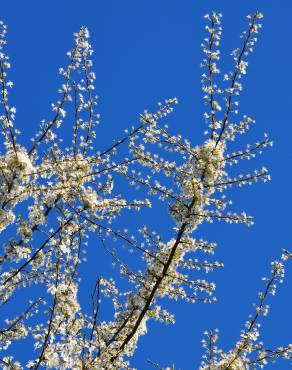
[146,51]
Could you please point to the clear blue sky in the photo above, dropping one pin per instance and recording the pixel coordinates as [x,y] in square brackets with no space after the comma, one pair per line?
[146,51]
